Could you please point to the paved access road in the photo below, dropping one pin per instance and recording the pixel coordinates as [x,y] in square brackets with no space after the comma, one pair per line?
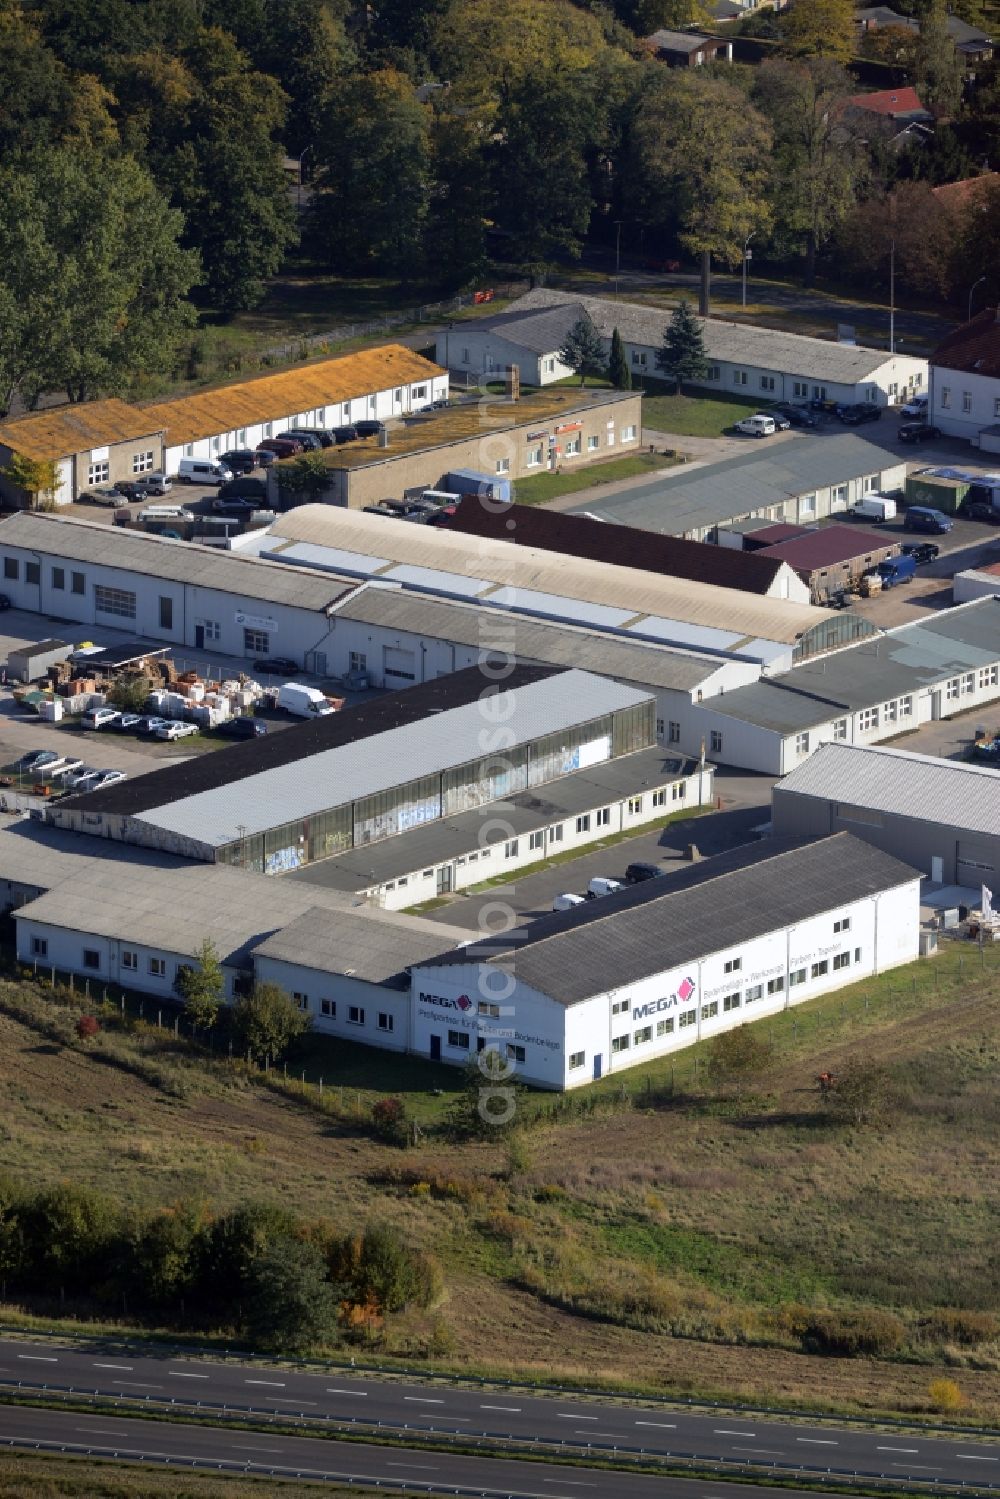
[266,1454]
[502,1414]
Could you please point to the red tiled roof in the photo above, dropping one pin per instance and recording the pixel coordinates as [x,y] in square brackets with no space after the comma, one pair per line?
[974,347]
[826,547]
[896,101]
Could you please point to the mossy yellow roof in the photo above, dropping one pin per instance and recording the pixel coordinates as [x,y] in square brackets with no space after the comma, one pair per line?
[63,430]
[227,408]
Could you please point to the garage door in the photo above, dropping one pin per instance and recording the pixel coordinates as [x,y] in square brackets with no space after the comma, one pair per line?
[398,666]
[976,862]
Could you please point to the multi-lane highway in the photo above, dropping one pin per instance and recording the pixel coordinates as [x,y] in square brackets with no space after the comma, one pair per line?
[505,1416]
[266,1454]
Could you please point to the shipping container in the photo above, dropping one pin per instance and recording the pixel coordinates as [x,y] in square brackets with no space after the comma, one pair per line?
[28,663]
[938,493]
[469,481]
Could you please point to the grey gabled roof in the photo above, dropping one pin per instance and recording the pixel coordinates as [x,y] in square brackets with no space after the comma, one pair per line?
[738,487]
[734,343]
[379,951]
[177,561]
[904,660]
[678,41]
[896,781]
[675,920]
[541,330]
[528,639]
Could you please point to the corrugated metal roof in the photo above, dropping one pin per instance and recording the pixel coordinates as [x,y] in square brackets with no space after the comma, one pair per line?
[227,408]
[542,330]
[60,431]
[531,639]
[529,569]
[378,951]
[334,777]
[175,905]
[921,787]
[249,578]
[738,487]
[666,923]
[829,545]
[735,343]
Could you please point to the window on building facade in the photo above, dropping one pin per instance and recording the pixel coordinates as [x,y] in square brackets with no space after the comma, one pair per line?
[142,463]
[458,1040]
[664,1027]
[776,986]
[709,1011]
[166,613]
[534,458]
[628,434]
[98,473]
[807,505]
[117,601]
[59,579]
[952,688]
[843,924]
[328,1007]
[32,572]
[510,849]
[583,823]
[686,1018]
[593,443]
[644,1035]
[802,744]
[515,1053]
[969,682]
[868,719]
[639,358]
[130,959]
[678,791]
[486,1007]
[755,992]
[673,732]
[799,388]
[300,1000]
[386,1022]
[503,465]
[987,677]
[715,742]
[841,960]
[39,947]
[839,494]
[355,1015]
[634,806]
[840,728]
[945,397]
[576,1059]
[819,392]
[78,583]
[256,642]
[732,965]
[660,797]
[906,707]
[767,382]
[91,957]
[556,833]
[620,1006]
[713,372]
[357,661]
[11,568]
[797,976]
[536,840]
[574,447]
[619,1043]
[966,400]
[660,728]
[602,817]
[818,969]
[731,1002]
[158,967]
[739,377]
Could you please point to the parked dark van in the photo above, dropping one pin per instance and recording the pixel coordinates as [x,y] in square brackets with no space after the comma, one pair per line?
[924,518]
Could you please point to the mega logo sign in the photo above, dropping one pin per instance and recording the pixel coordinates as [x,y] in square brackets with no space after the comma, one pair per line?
[684,991]
[463,1002]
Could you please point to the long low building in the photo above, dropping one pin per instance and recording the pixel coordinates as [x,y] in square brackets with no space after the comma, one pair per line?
[801,480]
[941,816]
[660,965]
[765,364]
[911,675]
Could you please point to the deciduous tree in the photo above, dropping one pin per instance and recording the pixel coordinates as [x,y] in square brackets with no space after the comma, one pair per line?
[682,354]
[865,1093]
[737,1056]
[201,986]
[38,477]
[938,71]
[820,28]
[540,180]
[290,1303]
[268,1021]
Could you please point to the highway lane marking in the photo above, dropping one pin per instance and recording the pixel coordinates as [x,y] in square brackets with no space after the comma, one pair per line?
[818,1441]
[977,1457]
[97,1431]
[897,1449]
[245,1447]
[571,1483]
[38,1358]
[769,1451]
[423,1399]
[572,1416]
[291,1400]
[417,1467]
[361,1394]
[125,1368]
[917,1467]
[134,1384]
[589,1433]
[509,1409]
[663,1425]
[272,1384]
[723,1431]
[177,1374]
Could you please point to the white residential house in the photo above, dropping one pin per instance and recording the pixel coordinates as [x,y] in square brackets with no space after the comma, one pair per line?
[965,382]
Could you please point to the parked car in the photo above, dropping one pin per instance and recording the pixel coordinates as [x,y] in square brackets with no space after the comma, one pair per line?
[265,457]
[915,406]
[895,570]
[36,760]
[107,778]
[925,518]
[206,471]
[981,510]
[240,460]
[99,718]
[308,437]
[780,420]
[276,666]
[278,447]
[175,728]
[567,902]
[74,774]
[243,727]
[345,434]
[369,428]
[158,484]
[875,509]
[149,724]
[127,723]
[236,504]
[797,416]
[757,425]
[855,415]
[602,885]
[636,873]
[104,495]
[5,602]
[918,432]
[920,551]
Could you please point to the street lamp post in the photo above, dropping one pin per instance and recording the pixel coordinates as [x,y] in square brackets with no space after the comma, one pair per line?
[618,251]
[892,296]
[747,252]
[302,156]
[971,291]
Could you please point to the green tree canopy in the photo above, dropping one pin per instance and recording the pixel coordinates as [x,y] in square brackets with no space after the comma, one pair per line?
[202,986]
[290,1303]
[583,351]
[939,73]
[618,367]
[268,1021]
[682,354]
[820,28]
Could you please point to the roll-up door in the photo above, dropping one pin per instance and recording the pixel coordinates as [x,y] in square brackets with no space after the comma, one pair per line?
[398,665]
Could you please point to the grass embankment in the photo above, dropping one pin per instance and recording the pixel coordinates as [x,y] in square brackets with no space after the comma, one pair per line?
[541,488]
[649,1231]
[51,1477]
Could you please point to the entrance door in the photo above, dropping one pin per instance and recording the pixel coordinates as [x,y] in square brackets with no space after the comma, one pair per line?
[199,637]
[480,1043]
[597,1065]
[435,1048]
[935,706]
[444,879]
[316,662]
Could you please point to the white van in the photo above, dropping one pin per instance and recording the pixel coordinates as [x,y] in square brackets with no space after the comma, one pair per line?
[567,902]
[203,471]
[304,702]
[166,513]
[757,426]
[600,885]
[874,508]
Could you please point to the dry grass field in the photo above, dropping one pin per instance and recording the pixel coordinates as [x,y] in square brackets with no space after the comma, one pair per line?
[662,1233]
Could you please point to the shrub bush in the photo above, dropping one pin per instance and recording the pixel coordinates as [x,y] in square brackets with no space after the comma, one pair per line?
[853,1334]
[945,1395]
[966,1329]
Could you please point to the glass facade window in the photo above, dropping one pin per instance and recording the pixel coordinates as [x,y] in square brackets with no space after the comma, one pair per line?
[396,811]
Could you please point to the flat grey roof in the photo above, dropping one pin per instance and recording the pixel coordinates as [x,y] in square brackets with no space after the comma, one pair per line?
[738,487]
[332,778]
[454,837]
[645,664]
[873,671]
[677,919]
[378,946]
[899,782]
[735,343]
[158,901]
[177,561]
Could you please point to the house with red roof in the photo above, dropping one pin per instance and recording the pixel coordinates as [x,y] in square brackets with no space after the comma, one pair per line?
[900,105]
[964,388]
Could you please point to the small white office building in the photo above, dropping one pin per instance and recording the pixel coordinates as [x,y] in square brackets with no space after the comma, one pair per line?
[965,382]
[656,967]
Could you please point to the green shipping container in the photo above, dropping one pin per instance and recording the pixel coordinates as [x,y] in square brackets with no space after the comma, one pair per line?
[940,494]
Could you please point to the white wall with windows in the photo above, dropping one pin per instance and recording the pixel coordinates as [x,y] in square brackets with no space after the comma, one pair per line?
[458,1008]
[99,960]
[963,404]
[339,1005]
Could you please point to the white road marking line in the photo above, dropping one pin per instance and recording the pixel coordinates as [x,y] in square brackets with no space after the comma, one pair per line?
[125,1368]
[917,1467]
[976,1457]
[272,1384]
[724,1431]
[97,1431]
[177,1374]
[769,1451]
[361,1394]
[571,1483]
[818,1441]
[897,1449]
[245,1447]
[510,1409]
[572,1416]
[423,1399]
[291,1400]
[589,1433]
[134,1384]
[418,1467]
[663,1425]
[38,1358]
